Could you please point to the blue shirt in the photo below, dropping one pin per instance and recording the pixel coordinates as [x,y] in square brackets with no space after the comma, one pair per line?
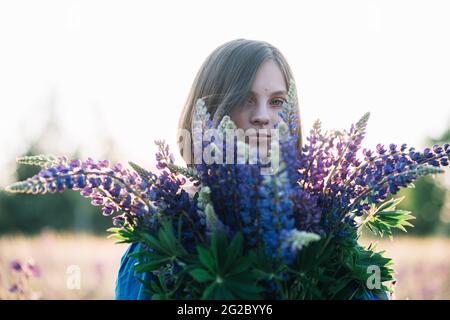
[128,287]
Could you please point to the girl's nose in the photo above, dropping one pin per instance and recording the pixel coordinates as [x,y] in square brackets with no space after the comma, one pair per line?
[260,117]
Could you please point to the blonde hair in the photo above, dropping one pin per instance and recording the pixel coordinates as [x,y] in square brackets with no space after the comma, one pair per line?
[225,78]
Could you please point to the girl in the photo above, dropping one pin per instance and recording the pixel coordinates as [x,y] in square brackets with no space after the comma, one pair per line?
[245,79]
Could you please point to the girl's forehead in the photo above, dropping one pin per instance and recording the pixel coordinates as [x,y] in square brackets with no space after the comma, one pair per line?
[269,79]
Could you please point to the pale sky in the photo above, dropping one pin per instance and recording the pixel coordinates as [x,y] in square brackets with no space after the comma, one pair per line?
[124,68]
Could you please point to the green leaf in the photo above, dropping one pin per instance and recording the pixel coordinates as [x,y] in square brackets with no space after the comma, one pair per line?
[152,265]
[383,219]
[122,235]
[242,265]
[201,275]
[233,252]
[153,243]
[391,204]
[209,291]
[219,248]
[236,284]
[223,293]
[146,254]
[206,258]
[167,239]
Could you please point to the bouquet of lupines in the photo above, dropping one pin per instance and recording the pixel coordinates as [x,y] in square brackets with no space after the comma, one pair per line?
[291,233]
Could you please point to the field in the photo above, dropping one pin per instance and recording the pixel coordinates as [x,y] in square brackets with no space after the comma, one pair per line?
[85,267]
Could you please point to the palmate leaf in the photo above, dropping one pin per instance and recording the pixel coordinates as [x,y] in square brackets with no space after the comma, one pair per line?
[223,271]
[382,219]
[165,246]
[369,257]
[339,272]
[353,272]
[162,255]
[165,242]
[166,249]
[157,290]
[165,283]
[122,235]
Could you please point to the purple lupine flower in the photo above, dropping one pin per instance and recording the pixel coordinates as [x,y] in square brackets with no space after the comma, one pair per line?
[34,269]
[14,288]
[116,188]
[16,266]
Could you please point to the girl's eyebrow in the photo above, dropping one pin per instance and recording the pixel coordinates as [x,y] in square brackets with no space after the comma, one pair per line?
[281,92]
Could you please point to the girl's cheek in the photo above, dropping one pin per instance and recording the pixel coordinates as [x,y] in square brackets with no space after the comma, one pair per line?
[275,114]
[239,117]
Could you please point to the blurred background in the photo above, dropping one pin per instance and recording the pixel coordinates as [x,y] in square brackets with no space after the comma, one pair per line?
[104,79]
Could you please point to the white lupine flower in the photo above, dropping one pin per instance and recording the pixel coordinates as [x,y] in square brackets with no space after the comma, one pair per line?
[298,239]
[283,128]
[200,107]
[204,202]
[211,217]
[226,124]
[203,196]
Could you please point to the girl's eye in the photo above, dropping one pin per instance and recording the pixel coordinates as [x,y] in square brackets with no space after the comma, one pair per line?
[278,102]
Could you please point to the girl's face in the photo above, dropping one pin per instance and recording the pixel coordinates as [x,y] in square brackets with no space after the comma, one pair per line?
[260,111]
